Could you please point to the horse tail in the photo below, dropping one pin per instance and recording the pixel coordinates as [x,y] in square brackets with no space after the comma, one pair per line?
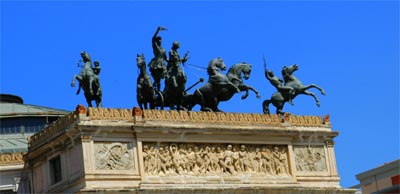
[266,106]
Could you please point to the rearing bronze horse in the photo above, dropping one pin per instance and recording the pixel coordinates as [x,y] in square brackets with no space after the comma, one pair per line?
[89,82]
[145,93]
[221,87]
[279,98]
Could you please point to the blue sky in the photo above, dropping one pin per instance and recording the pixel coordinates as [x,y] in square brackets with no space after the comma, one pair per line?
[349,48]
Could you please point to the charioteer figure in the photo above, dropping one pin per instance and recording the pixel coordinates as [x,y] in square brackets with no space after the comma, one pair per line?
[173,68]
[157,64]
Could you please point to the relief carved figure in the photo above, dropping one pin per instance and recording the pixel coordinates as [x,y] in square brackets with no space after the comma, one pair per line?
[113,156]
[310,158]
[171,159]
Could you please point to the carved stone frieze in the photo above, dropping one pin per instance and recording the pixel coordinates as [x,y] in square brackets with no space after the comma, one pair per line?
[113,156]
[307,121]
[203,117]
[211,117]
[171,159]
[12,158]
[230,118]
[110,114]
[310,158]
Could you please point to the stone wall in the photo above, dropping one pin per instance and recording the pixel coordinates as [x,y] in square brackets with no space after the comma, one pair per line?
[187,152]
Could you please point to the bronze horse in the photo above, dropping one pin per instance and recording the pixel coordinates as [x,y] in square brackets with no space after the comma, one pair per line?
[278,99]
[221,87]
[145,93]
[88,81]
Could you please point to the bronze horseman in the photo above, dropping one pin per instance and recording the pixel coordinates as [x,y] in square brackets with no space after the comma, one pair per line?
[89,80]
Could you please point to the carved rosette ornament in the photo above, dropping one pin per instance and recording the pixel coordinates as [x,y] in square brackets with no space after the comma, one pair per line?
[113,156]
[171,159]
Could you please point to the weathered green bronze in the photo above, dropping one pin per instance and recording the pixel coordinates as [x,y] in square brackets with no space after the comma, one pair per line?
[221,87]
[176,79]
[288,88]
[89,80]
[157,64]
[145,93]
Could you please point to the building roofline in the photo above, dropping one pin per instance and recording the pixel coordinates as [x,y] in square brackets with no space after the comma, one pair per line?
[22,110]
[383,168]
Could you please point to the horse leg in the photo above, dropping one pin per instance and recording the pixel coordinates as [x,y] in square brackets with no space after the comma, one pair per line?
[313,95]
[258,95]
[314,86]
[197,98]
[279,110]
[88,99]
[235,87]
[279,107]
[98,102]
[79,88]
[77,77]
[266,106]
[214,105]
[245,95]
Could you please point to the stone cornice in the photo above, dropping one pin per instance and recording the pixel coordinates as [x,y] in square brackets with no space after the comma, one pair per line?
[138,115]
[59,125]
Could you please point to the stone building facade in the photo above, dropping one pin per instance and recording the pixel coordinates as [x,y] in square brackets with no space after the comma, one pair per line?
[153,151]
[382,179]
[18,121]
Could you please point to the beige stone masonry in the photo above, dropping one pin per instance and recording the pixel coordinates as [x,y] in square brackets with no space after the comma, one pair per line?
[152,151]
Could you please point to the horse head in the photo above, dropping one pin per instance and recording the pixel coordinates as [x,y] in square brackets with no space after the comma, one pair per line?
[241,68]
[85,57]
[287,71]
[246,70]
[140,61]
[215,65]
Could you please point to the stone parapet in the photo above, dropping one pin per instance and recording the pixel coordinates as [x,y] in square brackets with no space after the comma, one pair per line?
[154,151]
[56,127]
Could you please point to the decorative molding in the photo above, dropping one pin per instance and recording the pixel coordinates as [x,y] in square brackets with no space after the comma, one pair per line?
[12,158]
[171,159]
[56,126]
[86,138]
[306,121]
[203,117]
[310,158]
[110,114]
[211,117]
[231,118]
[329,143]
[113,156]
